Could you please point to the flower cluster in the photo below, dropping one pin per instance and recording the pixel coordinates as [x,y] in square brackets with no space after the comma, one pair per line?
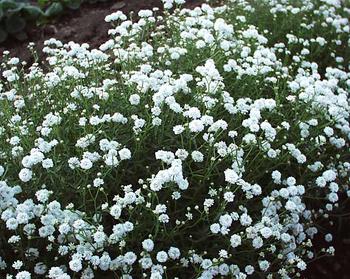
[194,143]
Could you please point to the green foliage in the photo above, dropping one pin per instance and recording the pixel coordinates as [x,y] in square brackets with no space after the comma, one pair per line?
[15,16]
[72,4]
[54,9]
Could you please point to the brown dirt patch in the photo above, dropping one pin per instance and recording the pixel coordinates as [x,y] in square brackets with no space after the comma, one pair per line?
[85,25]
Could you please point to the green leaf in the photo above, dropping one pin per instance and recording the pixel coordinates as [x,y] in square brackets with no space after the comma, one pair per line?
[21,1]
[15,24]
[8,4]
[3,35]
[18,8]
[1,13]
[73,4]
[54,9]
[21,36]
[42,3]
[33,12]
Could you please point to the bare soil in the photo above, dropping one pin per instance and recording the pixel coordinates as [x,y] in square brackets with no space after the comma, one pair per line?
[85,25]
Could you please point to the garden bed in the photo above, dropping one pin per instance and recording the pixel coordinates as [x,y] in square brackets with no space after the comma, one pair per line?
[87,26]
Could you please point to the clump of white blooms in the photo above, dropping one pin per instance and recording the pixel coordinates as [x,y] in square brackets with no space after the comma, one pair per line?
[203,143]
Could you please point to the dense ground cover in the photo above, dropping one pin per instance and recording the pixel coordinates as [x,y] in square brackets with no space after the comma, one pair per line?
[194,144]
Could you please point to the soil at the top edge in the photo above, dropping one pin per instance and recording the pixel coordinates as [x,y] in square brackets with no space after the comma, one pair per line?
[87,25]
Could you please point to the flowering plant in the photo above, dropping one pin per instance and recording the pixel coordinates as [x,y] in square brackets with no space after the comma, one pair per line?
[201,143]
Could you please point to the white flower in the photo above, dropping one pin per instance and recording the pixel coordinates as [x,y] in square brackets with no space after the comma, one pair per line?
[17,264]
[276,176]
[145,13]
[47,163]
[197,156]
[86,164]
[40,268]
[25,175]
[146,262]
[54,272]
[162,257]
[130,258]
[206,263]
[174,253]
[98,182]
[164,218]
[196,126]
[200,44]
[134,99]
[75,265]
[116,211]
[182,154]
[231,176]
[23,275]
[321,181]
[235,240]
[99,237]
[215,228]
[266,232]
[178,129]
[13,61]
[290,205]
[115,16]
[225,220]
[301,265]
[156,274]
[329,175]
[148,245]
[245,219]
[328,237]
[249,269]
[166,156]
[264,265]
[124,154]
[11,224]
[73,162]
[229,197]
[64,228]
